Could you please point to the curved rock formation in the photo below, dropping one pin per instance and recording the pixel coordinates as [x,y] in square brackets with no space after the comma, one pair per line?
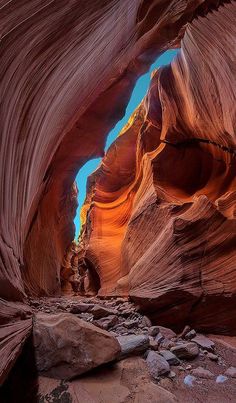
[67,71]
[175,216]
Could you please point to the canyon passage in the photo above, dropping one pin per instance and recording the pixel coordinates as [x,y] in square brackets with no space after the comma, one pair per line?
[138,303]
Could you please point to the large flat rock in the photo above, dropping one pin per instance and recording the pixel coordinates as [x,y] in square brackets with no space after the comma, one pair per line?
[66,346]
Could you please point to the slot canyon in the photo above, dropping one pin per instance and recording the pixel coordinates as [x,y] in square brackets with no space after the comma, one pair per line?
[141,306]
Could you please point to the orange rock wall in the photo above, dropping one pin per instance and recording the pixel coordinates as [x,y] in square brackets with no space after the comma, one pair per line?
[66,75]
[169,234]
[67,71]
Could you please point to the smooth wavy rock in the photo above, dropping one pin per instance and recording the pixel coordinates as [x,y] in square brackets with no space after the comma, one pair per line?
[175,217]
[67,72]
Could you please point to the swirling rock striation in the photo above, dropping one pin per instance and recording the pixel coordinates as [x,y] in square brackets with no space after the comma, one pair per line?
[174,215]
[67,71]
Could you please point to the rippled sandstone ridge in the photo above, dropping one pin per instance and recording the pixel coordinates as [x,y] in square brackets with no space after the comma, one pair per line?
[160,220]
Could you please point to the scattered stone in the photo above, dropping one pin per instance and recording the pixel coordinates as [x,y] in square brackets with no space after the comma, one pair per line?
[167,333]
[185,331]
[79,308]
[107,322]
[188,380]
[66,346]
[167,344]
[157,365]
[159,338]
[121,300]
[231,372]
[153,331]
[133,344]
[190,335]
[212,356]
[130,323]
[202,373]
[99,311]
[188,367]
[186,350]
[204,342]
[172,375]
[221,379]
[153,344]
[170,357]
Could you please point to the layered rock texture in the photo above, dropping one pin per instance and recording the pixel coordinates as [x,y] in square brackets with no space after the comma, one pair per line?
[67,71]
[161,217]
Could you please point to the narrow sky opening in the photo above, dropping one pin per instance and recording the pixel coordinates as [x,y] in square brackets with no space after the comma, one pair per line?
[138,94]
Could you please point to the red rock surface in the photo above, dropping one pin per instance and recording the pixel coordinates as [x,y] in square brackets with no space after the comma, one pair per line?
[169,229]
[67,71]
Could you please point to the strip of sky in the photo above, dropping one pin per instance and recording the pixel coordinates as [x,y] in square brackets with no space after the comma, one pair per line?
[137,95]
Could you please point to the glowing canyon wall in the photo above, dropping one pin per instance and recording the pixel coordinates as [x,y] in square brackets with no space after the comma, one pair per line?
[67,72]
[161,215]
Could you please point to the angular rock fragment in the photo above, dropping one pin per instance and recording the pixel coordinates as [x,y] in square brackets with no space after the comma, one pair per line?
[154,345]
[81,308]
[130,323]
[202,373]
[231,372]
[167,333]
[170,357]
[190,335]
[107,322]
[153,331]
[204,342]
[157,365]
[213,357]
[186,350]
[99,311]
[132,345]
[66,346]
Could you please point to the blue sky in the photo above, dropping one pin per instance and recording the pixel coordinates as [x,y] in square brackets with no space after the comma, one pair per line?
[137,95]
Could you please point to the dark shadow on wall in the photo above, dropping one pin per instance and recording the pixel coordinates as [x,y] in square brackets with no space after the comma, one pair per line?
[21,385]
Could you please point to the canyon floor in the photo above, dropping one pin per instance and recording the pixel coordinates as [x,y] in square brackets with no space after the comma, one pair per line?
[155,364]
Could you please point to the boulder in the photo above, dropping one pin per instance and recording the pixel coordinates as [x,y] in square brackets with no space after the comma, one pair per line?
[186,350]
[66,346]
[157,365]
[132,345]
[204,342]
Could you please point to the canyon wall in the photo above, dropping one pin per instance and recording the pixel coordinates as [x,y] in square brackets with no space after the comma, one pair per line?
[67,72]
[161,215]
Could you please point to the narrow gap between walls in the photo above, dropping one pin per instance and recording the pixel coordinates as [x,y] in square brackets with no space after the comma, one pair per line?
[139,92]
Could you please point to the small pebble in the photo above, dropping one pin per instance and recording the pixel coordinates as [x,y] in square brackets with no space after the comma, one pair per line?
[221,379]
[188,380]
